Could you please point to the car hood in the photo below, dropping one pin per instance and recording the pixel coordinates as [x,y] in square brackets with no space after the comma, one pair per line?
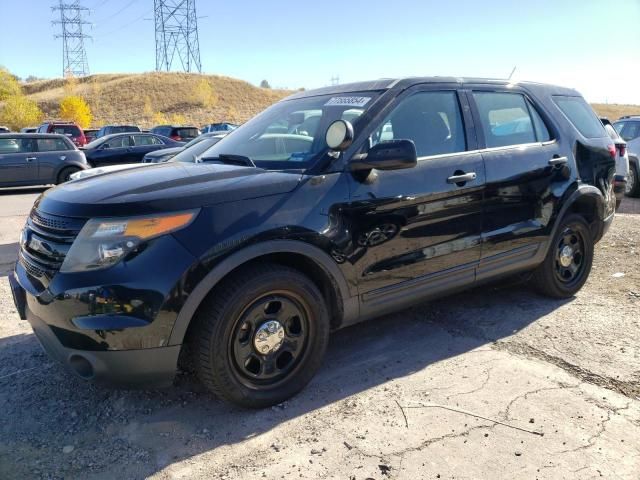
[163,187]
[163,152]
[90,172]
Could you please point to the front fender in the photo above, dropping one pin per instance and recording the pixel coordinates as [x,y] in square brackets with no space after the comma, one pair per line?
[320,258]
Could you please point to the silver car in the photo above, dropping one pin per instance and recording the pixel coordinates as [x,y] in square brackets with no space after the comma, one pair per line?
[629,129]
[38,159]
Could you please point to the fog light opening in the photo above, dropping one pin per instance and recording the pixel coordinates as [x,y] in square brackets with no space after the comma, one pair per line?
[81,366]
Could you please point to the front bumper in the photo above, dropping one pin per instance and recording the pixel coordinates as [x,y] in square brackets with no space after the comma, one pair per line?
[148,367]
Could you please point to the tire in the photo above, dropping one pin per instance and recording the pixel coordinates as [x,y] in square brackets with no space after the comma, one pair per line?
[553,277]
[245,317]
[64,175]
[632,188]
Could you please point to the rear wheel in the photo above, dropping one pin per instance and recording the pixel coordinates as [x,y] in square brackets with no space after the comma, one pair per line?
[261,336]
[568,261]
[65,174]
[632,189]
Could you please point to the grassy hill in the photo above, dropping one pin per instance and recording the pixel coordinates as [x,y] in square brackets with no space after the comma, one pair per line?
[143,99]
[151,98]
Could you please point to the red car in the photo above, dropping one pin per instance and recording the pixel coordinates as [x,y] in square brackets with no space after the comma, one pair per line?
[70,129]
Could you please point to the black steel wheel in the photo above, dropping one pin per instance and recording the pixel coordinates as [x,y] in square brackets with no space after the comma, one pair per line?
[568,262]
[260,336]
[269,338]
[569,256]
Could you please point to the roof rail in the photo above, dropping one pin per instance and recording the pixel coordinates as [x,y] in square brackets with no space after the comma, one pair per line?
[634,115]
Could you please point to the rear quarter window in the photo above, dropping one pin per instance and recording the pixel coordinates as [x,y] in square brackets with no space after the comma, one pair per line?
[581,116]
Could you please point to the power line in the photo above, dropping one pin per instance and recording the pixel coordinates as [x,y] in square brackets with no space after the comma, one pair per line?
[125,25]
[74,55]
[118,12]
[176,25]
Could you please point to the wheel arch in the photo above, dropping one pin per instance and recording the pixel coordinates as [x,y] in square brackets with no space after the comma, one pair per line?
[308,259]
[68,164]
[589,202]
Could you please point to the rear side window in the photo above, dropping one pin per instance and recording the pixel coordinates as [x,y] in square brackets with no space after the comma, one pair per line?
[431,119]
[144,140]
[52,145]
[506,119]
[581,115]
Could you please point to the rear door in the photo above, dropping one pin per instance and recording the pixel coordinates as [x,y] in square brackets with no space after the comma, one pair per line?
[143,144]
[523,165]
[114,151]
[417,231]
[18,162]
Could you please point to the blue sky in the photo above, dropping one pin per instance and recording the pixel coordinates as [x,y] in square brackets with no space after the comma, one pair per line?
[591,45]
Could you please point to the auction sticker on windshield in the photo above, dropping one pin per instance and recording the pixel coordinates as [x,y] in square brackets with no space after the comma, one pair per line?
[347,101]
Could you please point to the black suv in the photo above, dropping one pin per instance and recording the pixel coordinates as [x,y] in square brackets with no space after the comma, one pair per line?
[241,265]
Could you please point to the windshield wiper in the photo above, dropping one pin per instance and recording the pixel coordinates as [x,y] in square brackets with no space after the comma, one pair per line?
[230,159]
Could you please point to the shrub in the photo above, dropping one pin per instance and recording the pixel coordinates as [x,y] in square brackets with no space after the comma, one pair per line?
[264,84]
[204,95]
[75,109]
[18,112]
[9,85]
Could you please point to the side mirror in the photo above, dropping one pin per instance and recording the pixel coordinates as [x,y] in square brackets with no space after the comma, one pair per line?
[339,135]
[105,146]
[388,155]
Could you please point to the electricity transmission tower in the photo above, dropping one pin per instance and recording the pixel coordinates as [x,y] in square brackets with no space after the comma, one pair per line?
[177,35]
[74,56]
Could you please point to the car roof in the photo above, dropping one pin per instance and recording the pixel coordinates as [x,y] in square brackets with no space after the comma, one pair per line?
[403,83]
[32,135]
[175,126]
[629,117]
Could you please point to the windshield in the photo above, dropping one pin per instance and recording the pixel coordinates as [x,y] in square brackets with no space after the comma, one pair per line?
[291,134]
[193,153]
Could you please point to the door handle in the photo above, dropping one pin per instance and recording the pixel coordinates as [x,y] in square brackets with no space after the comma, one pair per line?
[462,178]
[31,159]
[558,161]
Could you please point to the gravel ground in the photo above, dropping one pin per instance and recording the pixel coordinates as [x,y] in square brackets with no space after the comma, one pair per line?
[493,383]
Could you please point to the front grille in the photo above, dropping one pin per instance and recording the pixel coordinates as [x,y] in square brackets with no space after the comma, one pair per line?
[46,242]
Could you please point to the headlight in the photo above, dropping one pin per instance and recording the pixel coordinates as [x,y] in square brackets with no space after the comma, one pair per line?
[103,242]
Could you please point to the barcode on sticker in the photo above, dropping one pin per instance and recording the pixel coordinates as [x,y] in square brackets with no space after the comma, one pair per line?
[347,101]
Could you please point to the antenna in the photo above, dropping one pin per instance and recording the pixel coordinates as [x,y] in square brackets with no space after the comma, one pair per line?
[177,35]
[512,72]
[74,55]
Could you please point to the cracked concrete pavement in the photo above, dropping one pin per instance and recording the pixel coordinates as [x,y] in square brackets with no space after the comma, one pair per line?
[492,383]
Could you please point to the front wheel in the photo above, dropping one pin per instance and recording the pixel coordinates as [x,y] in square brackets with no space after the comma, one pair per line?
[568,261]
[260,337]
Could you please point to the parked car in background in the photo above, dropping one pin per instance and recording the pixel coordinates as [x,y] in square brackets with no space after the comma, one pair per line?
[622,161]
[125,148]
[628,127]
[70,129]
[192,154]
[29,130]
[38,159]
[4,129]
[243,266]
[111,129]
[90,134]
[219,127]
[179,134]
[161,156]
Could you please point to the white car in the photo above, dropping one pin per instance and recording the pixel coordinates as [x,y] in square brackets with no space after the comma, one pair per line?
[622,162]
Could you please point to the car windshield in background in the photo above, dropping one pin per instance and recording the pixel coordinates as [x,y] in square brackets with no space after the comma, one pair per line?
[66,130]
[96,143]
[194,152]
[124,129]
[291,134]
